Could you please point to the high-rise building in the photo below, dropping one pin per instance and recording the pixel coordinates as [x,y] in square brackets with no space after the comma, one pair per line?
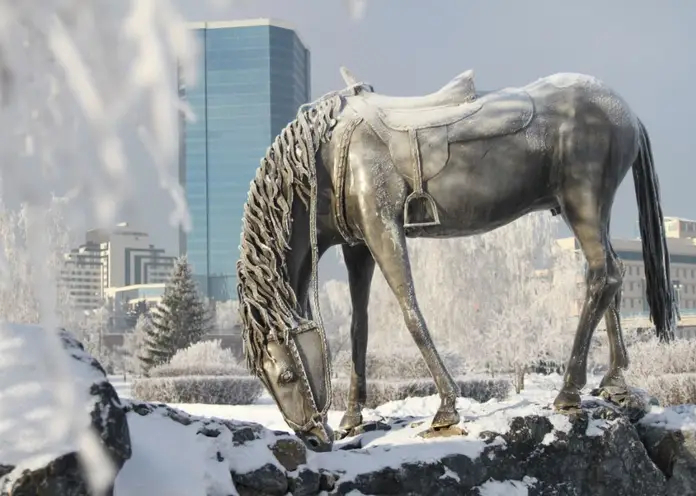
[252,77]
[112,258]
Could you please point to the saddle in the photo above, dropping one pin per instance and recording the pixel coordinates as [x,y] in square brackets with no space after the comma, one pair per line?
[419,130]
[460,90]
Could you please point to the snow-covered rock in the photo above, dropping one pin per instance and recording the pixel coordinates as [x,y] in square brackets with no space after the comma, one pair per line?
[178,454]
[50,410]
[513,447]
[669,435]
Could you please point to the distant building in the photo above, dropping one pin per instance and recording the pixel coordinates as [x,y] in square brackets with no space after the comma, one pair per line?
[252,77]
[129,296]
[681,241]
[112,258]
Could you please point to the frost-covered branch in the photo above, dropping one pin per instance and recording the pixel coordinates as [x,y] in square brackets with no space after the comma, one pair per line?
[75,77]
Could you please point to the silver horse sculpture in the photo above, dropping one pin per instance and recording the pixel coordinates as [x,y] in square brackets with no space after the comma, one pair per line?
[367,171]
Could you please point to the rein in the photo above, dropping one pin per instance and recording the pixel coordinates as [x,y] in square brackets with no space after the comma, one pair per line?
[315,422]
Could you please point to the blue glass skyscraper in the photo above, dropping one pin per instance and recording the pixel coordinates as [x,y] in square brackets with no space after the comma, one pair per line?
[252,77]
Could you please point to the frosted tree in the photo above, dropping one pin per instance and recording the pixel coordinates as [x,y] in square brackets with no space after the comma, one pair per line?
[226,315]
[181,318]
[486,297]
[91,330]
[336,311]
[134,346]
[19,299]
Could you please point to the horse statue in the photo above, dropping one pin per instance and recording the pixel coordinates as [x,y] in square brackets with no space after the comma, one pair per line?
[367,171]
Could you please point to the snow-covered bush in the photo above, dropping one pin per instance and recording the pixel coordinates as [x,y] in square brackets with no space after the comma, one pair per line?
[649,358]
[383,391]
[212,390]
[205,358]
[202,373]
[670,389]
[665,370]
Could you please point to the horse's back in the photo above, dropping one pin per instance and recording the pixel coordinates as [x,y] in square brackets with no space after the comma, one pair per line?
[574,97]
[483,181]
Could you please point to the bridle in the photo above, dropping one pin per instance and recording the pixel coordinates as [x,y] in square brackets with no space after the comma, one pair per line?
[288,341]
[288,338]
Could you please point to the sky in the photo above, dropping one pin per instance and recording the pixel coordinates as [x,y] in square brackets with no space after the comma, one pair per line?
[644,50]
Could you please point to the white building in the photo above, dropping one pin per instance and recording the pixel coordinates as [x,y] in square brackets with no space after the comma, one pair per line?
[113,258]
[681,242]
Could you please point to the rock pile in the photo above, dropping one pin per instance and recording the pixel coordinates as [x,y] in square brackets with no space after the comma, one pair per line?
[603,449]
[34,461]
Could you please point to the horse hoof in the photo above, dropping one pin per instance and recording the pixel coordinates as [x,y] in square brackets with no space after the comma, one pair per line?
[350,421]
[567,401]
[611,394]
[633,405]
[450,431]
[445,418]
[614,380]
[362,429]
[340,434]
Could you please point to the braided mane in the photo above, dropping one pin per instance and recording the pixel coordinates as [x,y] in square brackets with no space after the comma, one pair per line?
[267,303]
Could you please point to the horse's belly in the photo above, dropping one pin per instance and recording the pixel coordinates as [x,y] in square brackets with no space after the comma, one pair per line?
[480,191]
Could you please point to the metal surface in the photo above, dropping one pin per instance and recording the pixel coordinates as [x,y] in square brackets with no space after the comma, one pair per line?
[563,143]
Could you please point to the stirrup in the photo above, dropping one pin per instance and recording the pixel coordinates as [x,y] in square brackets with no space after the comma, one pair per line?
[430,208]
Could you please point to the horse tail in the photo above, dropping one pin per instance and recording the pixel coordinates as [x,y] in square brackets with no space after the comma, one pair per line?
[658,286]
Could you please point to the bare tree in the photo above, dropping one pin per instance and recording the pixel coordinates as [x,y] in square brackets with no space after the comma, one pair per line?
[495,299]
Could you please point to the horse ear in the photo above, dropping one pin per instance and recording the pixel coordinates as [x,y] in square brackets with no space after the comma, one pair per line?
[348,77]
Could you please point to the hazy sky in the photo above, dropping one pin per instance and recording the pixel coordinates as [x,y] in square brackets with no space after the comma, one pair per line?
[644,50]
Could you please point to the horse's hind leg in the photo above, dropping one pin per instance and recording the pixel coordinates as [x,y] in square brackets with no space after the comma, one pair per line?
[588,218]
[618,356]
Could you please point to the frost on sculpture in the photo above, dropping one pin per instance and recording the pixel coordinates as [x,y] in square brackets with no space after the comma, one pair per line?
[457,162]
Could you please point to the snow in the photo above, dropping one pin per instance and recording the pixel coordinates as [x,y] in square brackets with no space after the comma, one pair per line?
[681,417]
[31,396]
[450,474]
[174,459]
[507,488]
[169,458]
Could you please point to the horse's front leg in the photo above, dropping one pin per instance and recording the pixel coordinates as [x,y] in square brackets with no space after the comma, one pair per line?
[360,265]
[387,243]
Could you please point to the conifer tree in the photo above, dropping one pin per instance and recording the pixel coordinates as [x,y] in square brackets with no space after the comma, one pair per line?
[179,320]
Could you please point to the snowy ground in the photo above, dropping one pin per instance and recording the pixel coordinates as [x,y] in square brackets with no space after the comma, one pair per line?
[170,459]
[540,390]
